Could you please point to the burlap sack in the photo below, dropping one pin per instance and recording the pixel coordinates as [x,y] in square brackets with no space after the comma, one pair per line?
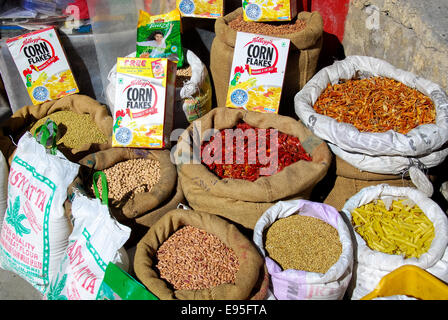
[23,120]
[143,203]
[350,180]
[245,201]
[302,61]
[250,261]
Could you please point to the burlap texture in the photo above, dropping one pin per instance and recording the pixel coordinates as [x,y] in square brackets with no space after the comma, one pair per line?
[302,61]
[250,261]
[350,180]
[243,201]
[143,203]
[23,120]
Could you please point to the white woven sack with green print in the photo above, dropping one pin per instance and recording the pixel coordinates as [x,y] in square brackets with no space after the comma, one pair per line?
[95,241]
[35,228]
[3,187]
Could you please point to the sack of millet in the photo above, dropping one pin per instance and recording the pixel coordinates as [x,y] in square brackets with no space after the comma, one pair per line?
[84,126]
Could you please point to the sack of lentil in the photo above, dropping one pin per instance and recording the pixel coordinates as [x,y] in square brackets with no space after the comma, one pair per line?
[94,243]
[84,126]
[193,255]
[345,180]
[36,228]
[139,180]
[392,227]
[308,250]
[377,117]
[244,198]
[304,32]
[4,171]
[193,90]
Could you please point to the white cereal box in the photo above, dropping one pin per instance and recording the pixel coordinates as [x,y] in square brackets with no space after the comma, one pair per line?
[211,9]
[269,10]
[257,74]
[42,65]
[144,102]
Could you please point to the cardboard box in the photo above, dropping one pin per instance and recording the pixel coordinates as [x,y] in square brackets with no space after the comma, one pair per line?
[211,9]
[42,63]
[269,10]
[258,71]
[144,102]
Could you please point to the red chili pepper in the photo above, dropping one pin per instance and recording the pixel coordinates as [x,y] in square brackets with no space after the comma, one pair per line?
[289,149]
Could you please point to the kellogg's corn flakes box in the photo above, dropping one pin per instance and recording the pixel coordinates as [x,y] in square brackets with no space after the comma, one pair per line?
[269,10]
[43,65]
[201,8]
[144,102]
[258,71]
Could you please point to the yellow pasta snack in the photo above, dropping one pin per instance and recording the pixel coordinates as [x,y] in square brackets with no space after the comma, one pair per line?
[269,10]
[41,60]
[144,102]
[258,70]
[400,229]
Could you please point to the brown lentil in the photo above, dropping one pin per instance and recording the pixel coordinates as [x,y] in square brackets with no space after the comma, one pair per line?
[80,129]
[267,28]
[193,259]
[127,178]
[183,75]
[303,243]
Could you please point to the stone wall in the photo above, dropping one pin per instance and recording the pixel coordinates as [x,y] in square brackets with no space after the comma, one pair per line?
[410,34]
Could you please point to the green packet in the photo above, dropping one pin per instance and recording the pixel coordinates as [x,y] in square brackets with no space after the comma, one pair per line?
[119,285]
[159,36]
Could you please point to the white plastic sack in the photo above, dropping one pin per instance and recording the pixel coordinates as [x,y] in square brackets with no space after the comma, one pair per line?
[422,140]
[3,187]
[35,229]
[95,241]
[298,284]
[194,98]
[371,265]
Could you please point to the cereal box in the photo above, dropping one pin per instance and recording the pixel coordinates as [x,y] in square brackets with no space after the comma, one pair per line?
[144,102]
[201,8]
[269,10]
[43,65]
[257,73]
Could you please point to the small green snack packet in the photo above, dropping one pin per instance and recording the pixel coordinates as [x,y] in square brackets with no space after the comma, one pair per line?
[119,285]
[159,36]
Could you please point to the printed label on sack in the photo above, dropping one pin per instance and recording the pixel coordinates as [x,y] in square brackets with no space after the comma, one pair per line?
[141,95]
[258,70]
[24,238]
[42,65]
[269,10]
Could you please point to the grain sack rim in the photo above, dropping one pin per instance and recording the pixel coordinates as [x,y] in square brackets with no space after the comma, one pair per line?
[388,262]
[250,260]
[23,119]
[303,39]
[264,189]
[133,208]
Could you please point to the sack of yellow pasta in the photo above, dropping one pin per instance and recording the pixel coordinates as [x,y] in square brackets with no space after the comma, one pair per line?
[41,61]
[257,73]
[201,8]
[392,227]
[159,36]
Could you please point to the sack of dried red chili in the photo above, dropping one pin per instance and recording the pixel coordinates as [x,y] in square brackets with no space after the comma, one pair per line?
[250,182]
[378,118]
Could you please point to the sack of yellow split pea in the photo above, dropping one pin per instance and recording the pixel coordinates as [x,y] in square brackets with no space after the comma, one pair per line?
[395,226]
